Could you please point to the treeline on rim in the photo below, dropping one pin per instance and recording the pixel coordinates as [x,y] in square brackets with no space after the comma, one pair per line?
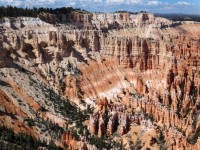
[10,11]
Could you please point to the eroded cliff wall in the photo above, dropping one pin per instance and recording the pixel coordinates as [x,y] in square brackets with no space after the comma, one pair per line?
[125,66]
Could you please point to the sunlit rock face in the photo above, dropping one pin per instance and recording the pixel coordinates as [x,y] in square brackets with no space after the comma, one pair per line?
[127,67]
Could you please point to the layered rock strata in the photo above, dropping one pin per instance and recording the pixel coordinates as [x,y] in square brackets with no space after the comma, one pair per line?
[120,63]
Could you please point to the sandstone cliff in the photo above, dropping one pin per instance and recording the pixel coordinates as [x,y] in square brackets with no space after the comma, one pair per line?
[126,67]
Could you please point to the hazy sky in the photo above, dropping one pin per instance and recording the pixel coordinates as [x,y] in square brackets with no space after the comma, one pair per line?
[159,6]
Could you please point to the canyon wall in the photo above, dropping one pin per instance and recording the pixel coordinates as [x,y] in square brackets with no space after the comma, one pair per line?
[118,64]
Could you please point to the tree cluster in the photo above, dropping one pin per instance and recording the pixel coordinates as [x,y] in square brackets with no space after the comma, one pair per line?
[12,141]
[10,11]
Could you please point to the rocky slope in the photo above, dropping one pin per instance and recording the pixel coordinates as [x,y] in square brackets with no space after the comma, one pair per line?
[137,76]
